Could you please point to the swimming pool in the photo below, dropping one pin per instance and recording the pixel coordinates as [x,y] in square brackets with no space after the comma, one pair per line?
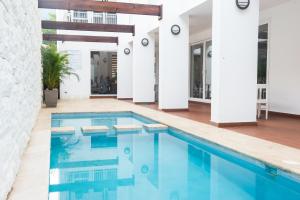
[165,165]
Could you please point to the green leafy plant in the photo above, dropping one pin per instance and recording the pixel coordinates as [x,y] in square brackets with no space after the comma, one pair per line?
[55,67]
[51,17]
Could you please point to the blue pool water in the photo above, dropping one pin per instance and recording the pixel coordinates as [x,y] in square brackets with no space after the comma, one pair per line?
[164,165]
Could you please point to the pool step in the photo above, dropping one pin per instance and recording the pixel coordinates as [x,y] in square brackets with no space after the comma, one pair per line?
[94,129]
[131,127]
[63,130]
[155,127]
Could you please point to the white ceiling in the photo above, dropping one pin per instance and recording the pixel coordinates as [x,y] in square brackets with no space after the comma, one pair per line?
[201,16]
[264,4]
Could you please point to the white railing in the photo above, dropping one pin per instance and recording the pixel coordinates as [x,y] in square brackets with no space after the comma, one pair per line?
[111,18]
[80,16]
[92,17]
[98,18]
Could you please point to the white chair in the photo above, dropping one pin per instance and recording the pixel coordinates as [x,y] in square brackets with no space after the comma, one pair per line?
[262,100]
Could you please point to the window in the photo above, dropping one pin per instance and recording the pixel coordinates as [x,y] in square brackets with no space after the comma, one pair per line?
[197,71]
[208,55]
[111,18]
[200,77]
[98,18]
[93,17]
[80,16]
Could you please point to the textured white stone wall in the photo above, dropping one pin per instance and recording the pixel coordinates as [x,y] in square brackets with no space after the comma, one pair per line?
[20,83]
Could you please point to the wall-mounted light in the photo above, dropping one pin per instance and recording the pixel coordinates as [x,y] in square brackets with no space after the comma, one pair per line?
[243,4]
[145,42]
[209,54]
[144,169]
[126,51]
[127,150]
[175,29]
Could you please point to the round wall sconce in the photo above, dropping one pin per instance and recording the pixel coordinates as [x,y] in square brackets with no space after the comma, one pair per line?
[144,169]
[126,51]
[243,4]
[145,42]
[127,151]
[175,29]
[209,54]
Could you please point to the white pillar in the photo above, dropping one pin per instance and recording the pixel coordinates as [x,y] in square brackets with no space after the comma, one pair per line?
[143,63]
[173,63]
[124,69]
[234,62]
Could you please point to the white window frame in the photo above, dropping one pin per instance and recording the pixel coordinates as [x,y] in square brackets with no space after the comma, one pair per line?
[203,100]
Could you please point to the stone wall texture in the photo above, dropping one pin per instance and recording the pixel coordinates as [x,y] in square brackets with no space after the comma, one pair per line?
[20,83]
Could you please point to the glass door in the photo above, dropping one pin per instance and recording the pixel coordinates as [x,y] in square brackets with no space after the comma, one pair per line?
[200,77]
[262,63]
[196,76]
[208,55]
[103,73]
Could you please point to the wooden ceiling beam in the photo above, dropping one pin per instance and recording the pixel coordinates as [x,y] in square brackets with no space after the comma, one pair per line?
[102,6]
[88,27]
[80,38]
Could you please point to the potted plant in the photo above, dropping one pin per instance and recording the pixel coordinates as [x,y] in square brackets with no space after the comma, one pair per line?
[55,69]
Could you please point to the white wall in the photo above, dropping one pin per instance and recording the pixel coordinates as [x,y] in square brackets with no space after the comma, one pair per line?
[181,6]
[284,45]
[20,83]
[284,63]
[71,88]
[186,6]
[234,62]
[124,70]
[201,36]
[143,61]
[173,59]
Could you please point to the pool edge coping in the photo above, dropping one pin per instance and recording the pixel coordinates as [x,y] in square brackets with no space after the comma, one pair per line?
[22,188]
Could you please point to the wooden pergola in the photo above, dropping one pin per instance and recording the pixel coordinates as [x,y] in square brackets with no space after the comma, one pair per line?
[88,27]
[96,6]
[102,6]
[80,38]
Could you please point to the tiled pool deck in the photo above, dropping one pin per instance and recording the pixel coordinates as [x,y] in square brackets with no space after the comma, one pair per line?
[279,128]
[32,180]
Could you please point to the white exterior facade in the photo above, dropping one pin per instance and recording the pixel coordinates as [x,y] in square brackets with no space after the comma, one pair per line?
[234,35]
[72,88]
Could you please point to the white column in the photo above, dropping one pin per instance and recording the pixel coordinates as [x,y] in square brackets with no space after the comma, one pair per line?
[124,69]
[143,63]
[173,63]
[234,62]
